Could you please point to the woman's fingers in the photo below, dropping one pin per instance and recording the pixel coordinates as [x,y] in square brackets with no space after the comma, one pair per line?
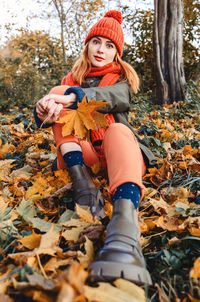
[41,106]
[49,107]
[53,112]
[57,111]
[66,100]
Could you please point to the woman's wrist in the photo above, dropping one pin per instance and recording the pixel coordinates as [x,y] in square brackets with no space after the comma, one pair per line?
[73,97]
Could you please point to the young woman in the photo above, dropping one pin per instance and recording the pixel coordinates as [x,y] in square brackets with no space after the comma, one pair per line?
[100,73]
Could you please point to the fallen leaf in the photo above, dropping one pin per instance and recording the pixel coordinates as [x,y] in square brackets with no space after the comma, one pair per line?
[169,223]
[130,288]
[5,281]
[86,215]
[19,127]
[5,149]
[5,298]
[23,172]
[73,234]
[66,294]
[162,295]
[54,263]
[194,231]
[31,241]
[81,120]
[106,292]
[49,243]
[37,280]
[192,299]
[5,167]
[89,248]
[77,276]
[195,271]
[26,209]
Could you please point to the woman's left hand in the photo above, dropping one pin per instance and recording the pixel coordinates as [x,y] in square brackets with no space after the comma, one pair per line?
[52,112]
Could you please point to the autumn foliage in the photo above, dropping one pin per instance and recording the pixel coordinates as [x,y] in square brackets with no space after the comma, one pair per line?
[47,243]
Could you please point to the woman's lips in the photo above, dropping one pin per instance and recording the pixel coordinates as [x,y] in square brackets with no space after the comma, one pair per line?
[98,58]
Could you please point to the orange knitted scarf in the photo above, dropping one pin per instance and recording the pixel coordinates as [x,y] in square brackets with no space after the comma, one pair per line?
[110,72]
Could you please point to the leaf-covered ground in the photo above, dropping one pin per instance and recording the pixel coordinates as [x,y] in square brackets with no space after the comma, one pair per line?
[47,244]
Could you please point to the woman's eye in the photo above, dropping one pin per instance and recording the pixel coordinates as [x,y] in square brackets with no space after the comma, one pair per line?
[109,45]
[95,41]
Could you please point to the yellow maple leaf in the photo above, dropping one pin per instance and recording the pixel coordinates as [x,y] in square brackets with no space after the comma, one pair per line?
[83,118]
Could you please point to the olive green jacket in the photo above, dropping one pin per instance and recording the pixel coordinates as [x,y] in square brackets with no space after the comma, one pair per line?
[119,97]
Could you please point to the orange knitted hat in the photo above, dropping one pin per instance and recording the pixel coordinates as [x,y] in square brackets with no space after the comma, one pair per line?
[109,27]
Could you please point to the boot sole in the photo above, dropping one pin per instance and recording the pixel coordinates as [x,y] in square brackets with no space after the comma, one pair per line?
[109,271]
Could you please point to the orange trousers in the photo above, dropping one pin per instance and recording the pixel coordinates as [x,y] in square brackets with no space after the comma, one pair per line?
[119,153]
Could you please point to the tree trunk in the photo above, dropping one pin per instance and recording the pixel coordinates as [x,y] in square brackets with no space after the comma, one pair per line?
[167,42]
[61,16]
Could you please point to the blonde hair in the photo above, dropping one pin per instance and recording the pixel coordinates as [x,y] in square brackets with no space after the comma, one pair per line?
[83,66]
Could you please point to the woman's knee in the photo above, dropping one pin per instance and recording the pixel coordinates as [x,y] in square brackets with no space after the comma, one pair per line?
[117,129]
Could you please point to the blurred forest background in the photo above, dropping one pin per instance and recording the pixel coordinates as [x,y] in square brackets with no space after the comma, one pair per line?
[32,61]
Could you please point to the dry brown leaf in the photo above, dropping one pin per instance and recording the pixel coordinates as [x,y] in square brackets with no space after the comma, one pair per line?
[195,271]
[49,243]
[89,248]
[86,215]
[93,232]
[150,192]
[143,227]
[169,223]
[5,149]
[5,167]
[31,241]
[106,292]
[19,127]
[40,189]
[162,296]
[41,296]
[144,241]
[77,276]
[3,205]
[48,246]
[22,173]
[54,263]
[38,281]
[66,294]
[130,288]
[159,203]
[194,231]
[96,167]
[73,234]
[81,120]
[75,223]
[5,298]
[5,282]
[192,299]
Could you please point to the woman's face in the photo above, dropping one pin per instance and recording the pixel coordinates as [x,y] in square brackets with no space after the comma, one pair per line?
[101,51]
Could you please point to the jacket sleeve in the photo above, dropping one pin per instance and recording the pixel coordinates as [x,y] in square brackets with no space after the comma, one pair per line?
[117,95]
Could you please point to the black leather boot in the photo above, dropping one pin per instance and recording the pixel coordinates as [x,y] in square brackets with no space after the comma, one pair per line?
[85,192]
[121,256]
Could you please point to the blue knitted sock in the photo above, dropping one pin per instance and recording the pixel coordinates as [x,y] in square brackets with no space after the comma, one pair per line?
[73,158]
[128,190]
